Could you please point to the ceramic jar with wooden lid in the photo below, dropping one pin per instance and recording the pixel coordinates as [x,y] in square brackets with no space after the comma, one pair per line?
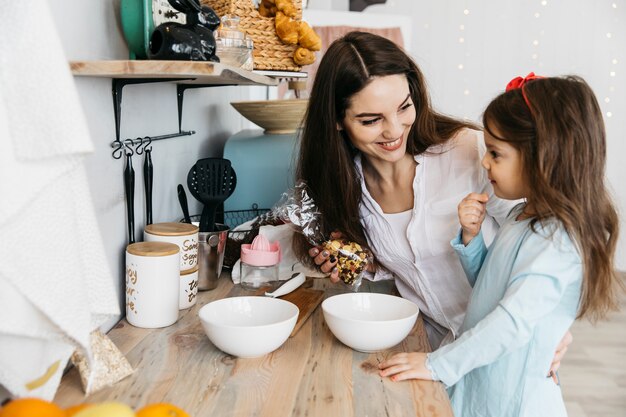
[152,284]
[184,235]
[188,288]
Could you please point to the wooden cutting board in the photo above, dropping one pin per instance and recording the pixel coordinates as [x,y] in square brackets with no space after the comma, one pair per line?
[306,299]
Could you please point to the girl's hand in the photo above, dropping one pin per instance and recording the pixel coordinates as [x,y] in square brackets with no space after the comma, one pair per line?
[559,354]
[472,212]
[403,366]
[324,260]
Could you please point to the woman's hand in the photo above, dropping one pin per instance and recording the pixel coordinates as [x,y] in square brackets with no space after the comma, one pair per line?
[472,212]
[403,366]
[559,354]
[326,262]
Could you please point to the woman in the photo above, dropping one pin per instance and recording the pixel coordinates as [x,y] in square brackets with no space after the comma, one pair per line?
[387,171]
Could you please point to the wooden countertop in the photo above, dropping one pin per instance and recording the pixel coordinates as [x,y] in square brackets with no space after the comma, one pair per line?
[312,374]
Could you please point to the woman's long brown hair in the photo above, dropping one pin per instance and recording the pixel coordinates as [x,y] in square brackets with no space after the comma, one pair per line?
[326,156]
[562,142]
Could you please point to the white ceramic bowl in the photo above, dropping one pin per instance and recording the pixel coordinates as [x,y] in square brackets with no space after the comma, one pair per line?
[248,327]
[369,322]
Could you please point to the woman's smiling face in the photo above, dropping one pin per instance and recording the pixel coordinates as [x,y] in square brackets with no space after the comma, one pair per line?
[379,118]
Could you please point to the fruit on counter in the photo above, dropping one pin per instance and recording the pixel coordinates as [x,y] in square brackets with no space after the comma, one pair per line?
[31,407]
[161,410]
[75,409]
[107,409]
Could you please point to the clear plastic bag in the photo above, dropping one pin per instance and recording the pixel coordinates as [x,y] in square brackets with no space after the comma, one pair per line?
[298,208]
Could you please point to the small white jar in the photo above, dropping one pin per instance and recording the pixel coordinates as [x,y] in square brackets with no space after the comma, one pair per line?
[152,284]
[184,235]
[188,288]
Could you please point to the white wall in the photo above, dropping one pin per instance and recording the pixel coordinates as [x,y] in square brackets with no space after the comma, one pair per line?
[498,44]
[89,30]
[505,38]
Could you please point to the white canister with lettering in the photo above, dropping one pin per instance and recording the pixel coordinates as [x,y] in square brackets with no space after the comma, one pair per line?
[152,284]
[188,288]
[184,235]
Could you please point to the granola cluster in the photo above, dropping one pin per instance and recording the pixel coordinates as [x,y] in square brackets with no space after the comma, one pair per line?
[351,259]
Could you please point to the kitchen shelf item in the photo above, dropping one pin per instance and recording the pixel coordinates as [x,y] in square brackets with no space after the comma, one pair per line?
[140,17]
[270,53]
[152,284]
[148,178]
[188,288]
[259,262]
[182,199]
[211,181]
[211,246]
[233,47]
[274,116]
[129,190]
[184,235]
[186,74]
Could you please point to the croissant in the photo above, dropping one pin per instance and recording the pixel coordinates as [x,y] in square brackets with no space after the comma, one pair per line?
[267,8]
[303,56]
[307,38]
[286,29]
[287,7]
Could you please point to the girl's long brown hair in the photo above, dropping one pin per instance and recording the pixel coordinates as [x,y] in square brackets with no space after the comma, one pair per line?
[562,141]
[326,156]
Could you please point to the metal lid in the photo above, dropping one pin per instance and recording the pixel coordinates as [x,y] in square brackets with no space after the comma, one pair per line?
[152,249]
[171,229]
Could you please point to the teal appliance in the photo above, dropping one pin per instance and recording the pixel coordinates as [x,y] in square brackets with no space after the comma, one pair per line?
[140,17]
[265,166]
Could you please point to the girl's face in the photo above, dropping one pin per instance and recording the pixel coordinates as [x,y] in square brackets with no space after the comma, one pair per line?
[504,166]
[379,117]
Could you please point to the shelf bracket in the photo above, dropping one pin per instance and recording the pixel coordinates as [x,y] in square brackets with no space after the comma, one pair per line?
[180,94]
[118,85]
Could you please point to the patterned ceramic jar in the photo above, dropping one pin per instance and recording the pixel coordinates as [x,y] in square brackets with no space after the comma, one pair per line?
[184,235]
[152,284]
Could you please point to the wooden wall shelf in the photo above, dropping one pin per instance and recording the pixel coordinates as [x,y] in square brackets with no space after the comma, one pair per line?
[188,72]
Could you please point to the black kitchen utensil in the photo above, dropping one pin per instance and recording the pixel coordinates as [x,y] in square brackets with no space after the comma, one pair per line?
[211,181]
[129,188]
[182,199]
[148,179]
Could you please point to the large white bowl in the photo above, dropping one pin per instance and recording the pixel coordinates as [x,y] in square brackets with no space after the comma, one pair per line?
[369,322]
[248,327]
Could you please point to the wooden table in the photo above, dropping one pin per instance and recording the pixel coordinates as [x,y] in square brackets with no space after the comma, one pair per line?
[312,374]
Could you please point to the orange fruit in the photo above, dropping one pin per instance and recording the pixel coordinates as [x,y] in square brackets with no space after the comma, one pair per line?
[161,410]
[30,407]
[70,411]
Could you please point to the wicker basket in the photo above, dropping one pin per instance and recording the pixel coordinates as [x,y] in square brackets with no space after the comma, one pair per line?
[270,53]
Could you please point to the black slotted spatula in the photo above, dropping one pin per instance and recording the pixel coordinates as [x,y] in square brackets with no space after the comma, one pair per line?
[211,181]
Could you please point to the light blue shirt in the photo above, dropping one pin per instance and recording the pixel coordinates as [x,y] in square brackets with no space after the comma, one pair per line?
[526,291]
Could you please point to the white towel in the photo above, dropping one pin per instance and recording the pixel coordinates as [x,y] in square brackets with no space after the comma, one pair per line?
[55,284]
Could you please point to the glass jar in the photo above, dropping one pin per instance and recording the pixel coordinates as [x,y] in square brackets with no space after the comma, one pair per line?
[254,276]
[233,46]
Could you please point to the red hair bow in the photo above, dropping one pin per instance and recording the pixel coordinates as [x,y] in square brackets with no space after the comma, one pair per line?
[519,82]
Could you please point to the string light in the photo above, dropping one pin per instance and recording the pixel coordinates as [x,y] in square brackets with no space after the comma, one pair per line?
[460,66]
[544,3]
[608,35]
[612,73]
[461,40]
[465,12]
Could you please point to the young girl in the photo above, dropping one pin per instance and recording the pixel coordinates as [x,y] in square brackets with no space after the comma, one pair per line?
[550,263]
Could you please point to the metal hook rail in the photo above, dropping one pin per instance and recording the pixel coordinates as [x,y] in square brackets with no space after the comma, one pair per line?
[124,147]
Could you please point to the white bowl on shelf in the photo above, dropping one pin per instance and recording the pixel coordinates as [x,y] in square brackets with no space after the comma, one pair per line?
[248,327]
[369,322]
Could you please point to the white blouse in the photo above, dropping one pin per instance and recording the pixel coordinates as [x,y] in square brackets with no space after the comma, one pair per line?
[432,276]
